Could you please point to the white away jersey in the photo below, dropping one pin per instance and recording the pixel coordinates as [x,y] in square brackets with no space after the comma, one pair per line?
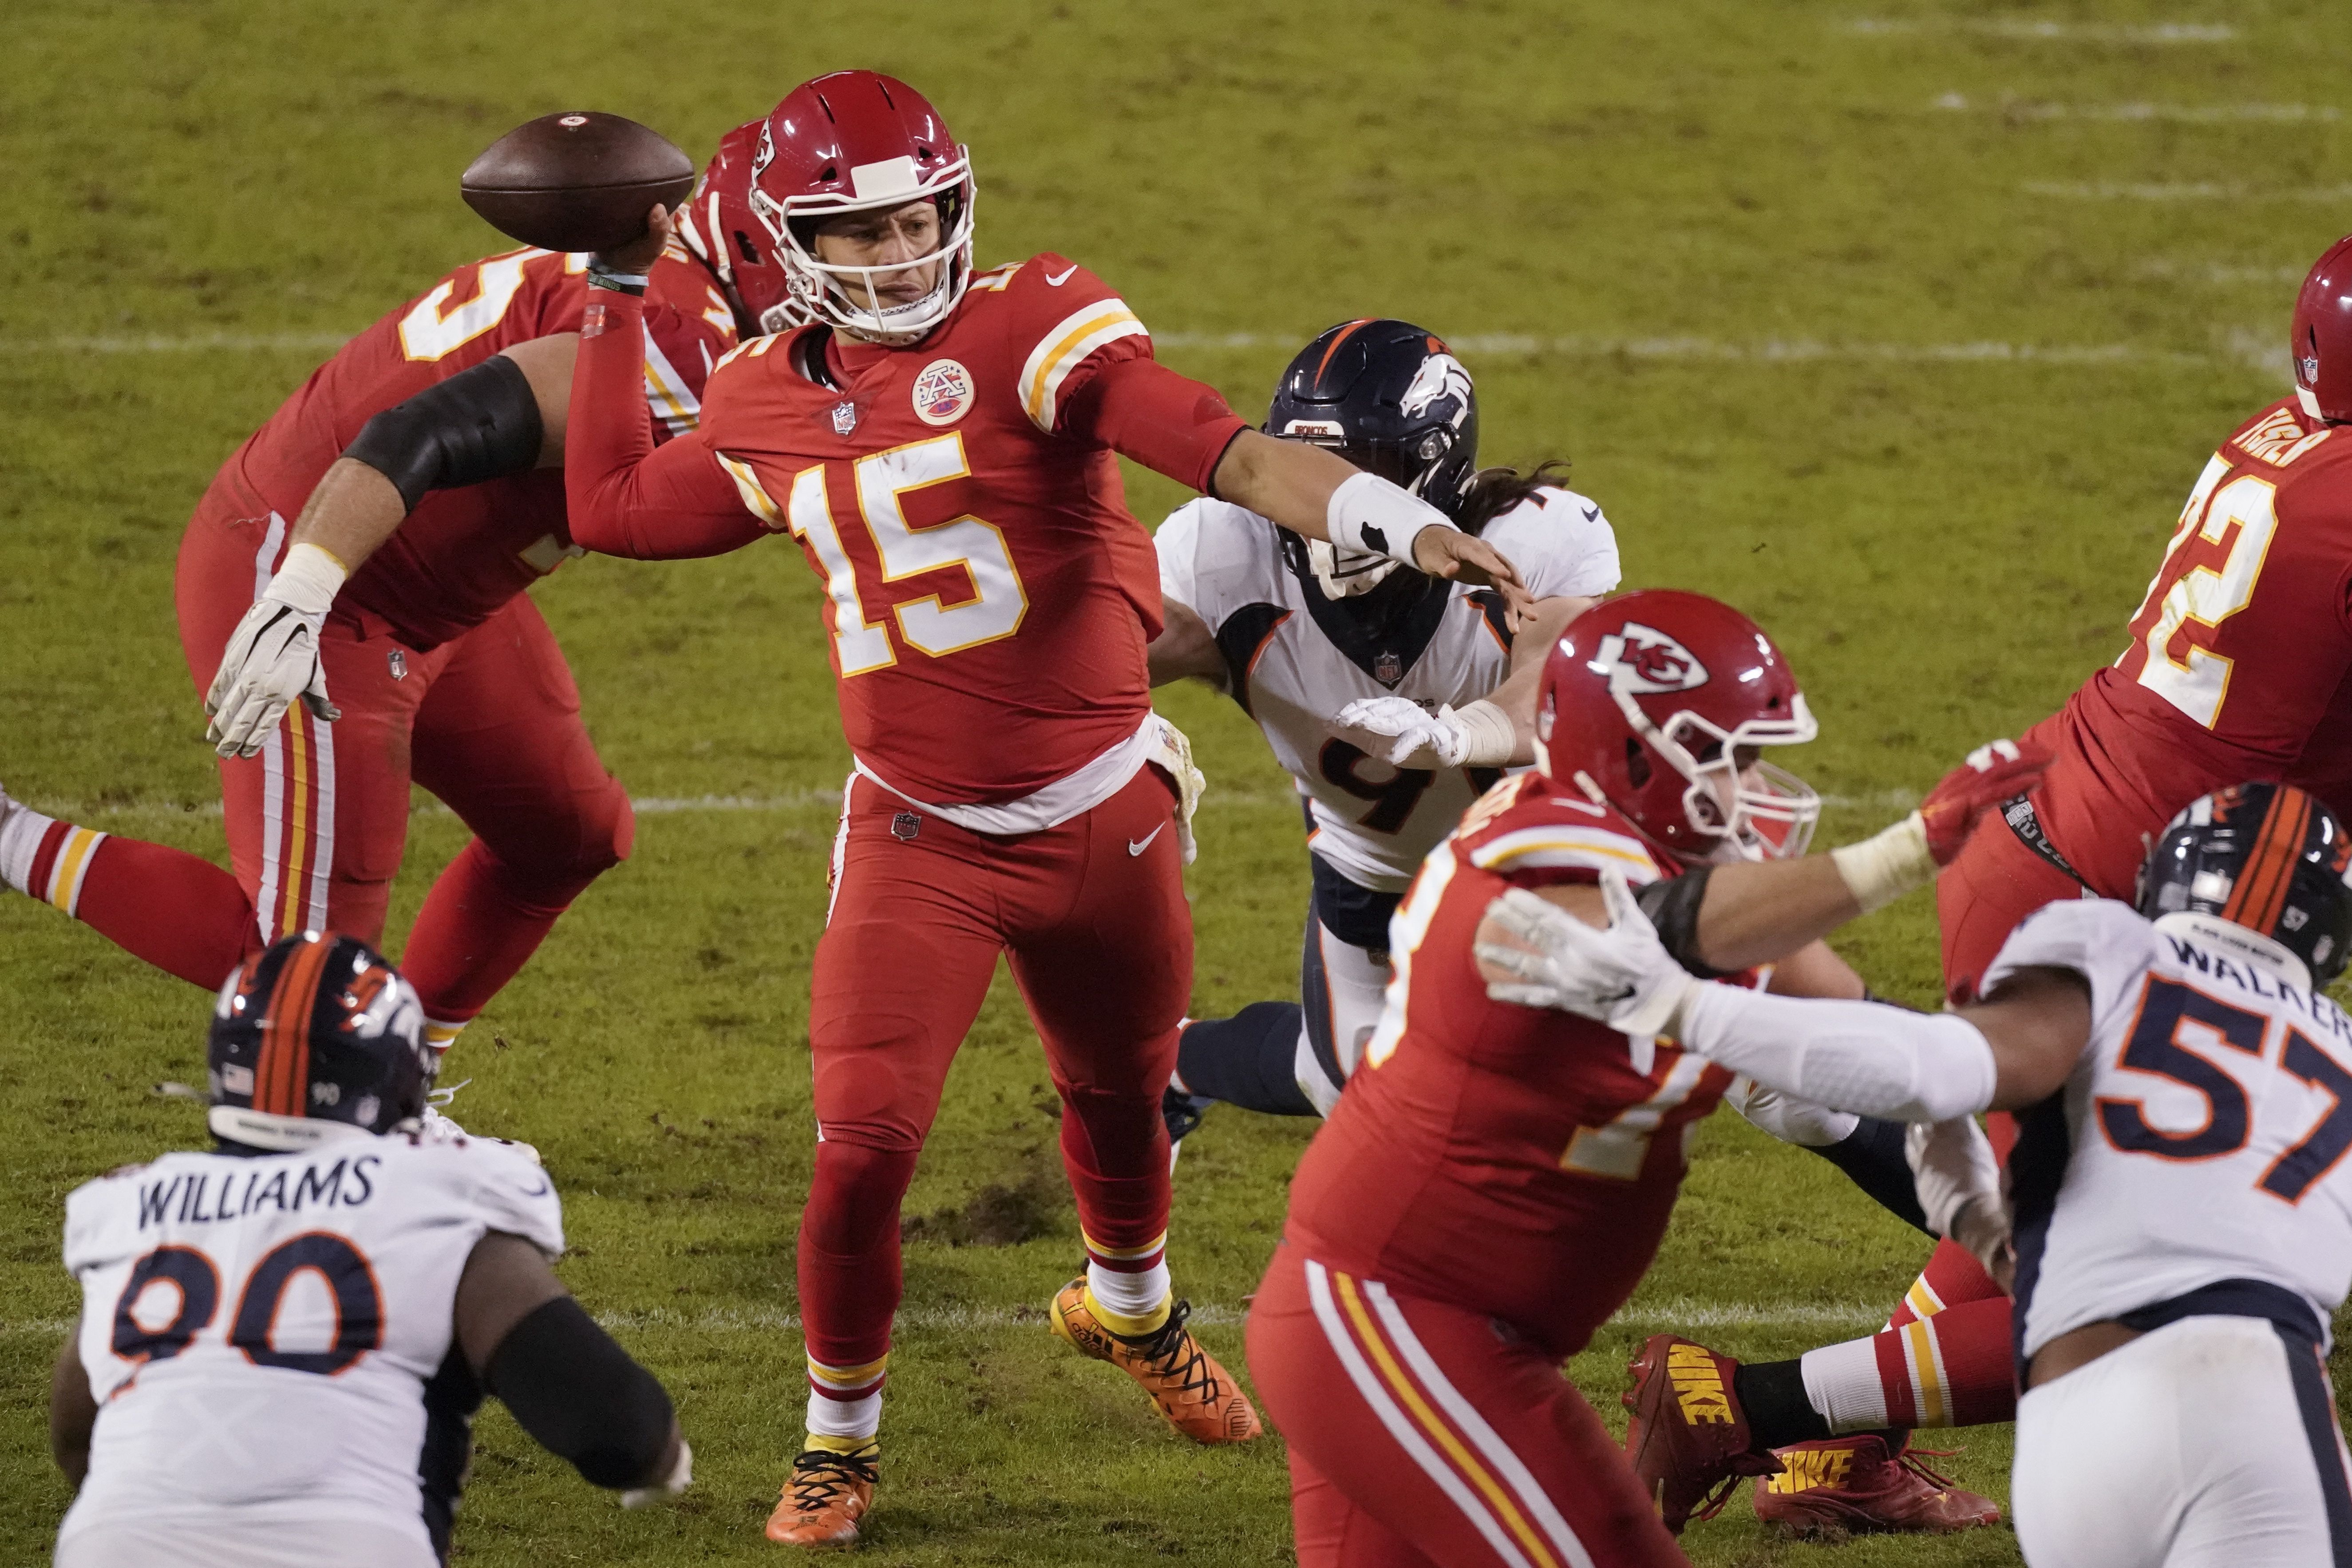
[2201,1136]
[259,1331]
[1293,661]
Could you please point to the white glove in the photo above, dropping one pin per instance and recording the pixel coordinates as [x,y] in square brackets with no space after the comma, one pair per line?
[1958,1182]
[1623,975]
[681,1476]
[1404,734]
[273,655]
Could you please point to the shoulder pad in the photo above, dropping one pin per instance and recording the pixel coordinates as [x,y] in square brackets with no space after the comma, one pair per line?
[1536,830]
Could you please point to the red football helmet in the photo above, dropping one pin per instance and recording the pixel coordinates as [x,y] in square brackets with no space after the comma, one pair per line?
[1653,703]
[716,224]
[2322,337]
[851,142]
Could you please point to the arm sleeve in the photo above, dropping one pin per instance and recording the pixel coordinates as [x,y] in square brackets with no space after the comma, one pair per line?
[1170,423]
[1862,1056]
[479,424]
[581,1396]
[623,498]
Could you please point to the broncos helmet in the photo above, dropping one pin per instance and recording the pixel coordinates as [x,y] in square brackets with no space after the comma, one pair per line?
[317,1036]
[2266,857]
[1391,398]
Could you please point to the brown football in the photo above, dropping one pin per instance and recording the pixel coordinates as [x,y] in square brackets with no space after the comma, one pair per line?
[577,180]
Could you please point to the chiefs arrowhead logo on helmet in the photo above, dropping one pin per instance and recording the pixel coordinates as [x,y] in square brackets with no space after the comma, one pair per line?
[766,153]
[1643,660]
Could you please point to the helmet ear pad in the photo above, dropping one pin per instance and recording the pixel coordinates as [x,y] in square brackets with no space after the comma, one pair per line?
[2222,857]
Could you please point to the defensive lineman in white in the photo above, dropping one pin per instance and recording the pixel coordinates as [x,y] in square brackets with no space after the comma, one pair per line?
[1301,633]
[2180,1205]
[283,1343]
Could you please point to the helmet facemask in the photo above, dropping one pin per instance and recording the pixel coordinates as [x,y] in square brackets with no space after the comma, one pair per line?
[1344,573]
[848,296]
[1754,810]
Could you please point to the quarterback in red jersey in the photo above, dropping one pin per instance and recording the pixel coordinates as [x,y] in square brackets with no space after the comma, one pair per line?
[416,464]
[1418,1389]
[943,443]
[2239,666]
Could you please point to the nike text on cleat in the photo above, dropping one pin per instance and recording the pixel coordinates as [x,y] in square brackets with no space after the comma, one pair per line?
[1199,1398]
[1686,1436]
[1859,1483]
[1138,846]
[827,1495]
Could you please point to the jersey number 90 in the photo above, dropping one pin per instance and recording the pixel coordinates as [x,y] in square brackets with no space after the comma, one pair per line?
[342,1267]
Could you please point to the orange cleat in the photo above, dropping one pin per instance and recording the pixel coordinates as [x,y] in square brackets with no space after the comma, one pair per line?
[1199,1398]
[827,1495]
[1858,1484]
[1686,1436]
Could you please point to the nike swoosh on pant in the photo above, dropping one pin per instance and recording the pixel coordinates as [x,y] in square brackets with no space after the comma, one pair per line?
[1138,846]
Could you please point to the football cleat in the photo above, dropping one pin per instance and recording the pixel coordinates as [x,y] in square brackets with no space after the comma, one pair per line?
[1182,1113]
[827,1495]
[1686,1436]
[433,1127]
[1199,1398]
[1858,1484]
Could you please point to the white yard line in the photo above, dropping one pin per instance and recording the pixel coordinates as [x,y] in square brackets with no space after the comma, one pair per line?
[1682,1313]
[1761,351]
[2180,191]
[2219,272]
[2178,113]
[825,800]
[2028,31]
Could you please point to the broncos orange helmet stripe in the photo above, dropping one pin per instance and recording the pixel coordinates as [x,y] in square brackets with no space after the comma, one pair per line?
[2260,896]
[282,1079]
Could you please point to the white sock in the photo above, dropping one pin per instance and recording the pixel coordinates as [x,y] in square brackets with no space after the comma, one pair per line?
[1843,1384]
[844,1404]
[20,840]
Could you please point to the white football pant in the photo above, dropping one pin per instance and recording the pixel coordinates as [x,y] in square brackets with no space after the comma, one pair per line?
[1341,989]
[2210,1443]
[217,1543]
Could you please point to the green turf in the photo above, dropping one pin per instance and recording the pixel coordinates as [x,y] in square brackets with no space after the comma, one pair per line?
[1945,546]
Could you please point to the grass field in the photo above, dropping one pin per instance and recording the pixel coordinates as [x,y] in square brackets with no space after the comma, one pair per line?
[1904,327]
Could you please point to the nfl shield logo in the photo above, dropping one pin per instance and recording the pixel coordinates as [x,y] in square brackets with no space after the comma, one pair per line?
[1388,669]
[845,418]
[904,826]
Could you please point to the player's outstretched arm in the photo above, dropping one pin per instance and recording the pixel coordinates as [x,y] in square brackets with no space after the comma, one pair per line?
[73,1412]
[580,1395]
[1185,647]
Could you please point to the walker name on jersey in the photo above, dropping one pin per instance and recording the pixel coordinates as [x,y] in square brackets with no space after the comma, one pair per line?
[199,1199]
[2269,987]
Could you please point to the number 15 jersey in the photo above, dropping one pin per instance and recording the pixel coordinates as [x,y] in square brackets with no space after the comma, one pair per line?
[266,1335]
[2201,1136]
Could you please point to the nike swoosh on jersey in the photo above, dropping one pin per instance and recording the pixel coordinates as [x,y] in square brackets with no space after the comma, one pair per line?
[1592,514]
[1052,281]
[1138,846]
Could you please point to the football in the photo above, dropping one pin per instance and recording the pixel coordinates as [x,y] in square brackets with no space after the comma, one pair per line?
[576,181]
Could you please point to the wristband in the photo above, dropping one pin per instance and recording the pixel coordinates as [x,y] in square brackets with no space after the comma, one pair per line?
[601,276]
[1366,513]
[309,580]
[1882,868]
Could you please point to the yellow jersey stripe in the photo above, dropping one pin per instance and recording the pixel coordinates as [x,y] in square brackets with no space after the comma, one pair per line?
[298,821]
[756,498]
[1535,846]
[1066,347]
[1368,1335]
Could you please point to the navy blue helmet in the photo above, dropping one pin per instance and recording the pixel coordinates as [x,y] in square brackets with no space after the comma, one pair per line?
[2266,856]
[1390,397]
[318,1029]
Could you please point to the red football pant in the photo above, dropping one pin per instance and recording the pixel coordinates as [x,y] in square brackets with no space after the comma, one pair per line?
[318,821]
[1422,1433]
[1092,914]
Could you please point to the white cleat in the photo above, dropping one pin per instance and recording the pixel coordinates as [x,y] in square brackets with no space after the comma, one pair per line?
[432,1127]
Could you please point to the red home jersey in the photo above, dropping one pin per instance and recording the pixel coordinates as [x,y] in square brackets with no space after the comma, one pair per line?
[463,552]
[2239,665]
[1518,1161]
[991,595]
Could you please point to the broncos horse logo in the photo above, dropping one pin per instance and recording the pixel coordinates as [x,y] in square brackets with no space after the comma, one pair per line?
[1441,375]
[1643,660]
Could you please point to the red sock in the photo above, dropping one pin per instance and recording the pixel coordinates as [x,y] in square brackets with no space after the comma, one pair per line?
[1953,1278]
[849,1267]
[1115,1152]
[480,923]
[179,912]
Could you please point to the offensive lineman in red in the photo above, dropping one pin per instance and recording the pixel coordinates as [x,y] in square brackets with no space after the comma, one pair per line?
[943,444]
[416,464]
[1495,1180]
[2239,666]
